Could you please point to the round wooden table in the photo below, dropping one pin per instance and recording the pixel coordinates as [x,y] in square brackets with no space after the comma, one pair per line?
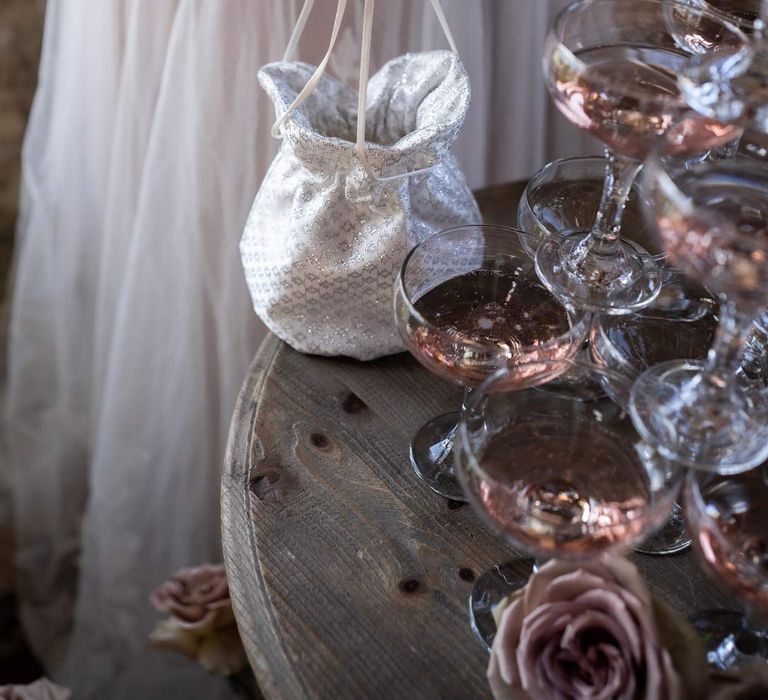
[349,576]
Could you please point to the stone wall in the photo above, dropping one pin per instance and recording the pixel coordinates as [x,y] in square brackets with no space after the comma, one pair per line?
[21,25]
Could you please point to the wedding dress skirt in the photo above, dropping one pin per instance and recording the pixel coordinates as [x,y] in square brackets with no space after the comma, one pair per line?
[131,327]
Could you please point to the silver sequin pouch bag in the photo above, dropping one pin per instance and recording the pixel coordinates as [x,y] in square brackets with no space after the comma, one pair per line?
[341,206]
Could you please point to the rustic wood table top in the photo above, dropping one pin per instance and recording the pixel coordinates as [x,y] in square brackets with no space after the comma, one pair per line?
[349,576]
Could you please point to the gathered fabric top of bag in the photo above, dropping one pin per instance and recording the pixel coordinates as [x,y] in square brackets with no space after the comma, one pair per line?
[415,106]
[361,177]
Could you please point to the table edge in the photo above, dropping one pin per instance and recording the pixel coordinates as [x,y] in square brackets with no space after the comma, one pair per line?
[264,649]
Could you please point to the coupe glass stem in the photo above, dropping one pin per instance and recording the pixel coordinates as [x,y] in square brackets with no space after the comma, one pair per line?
[446,446]
[724,357]
[620,174]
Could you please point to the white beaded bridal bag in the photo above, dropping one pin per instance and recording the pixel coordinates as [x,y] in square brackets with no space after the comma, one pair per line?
[360,178]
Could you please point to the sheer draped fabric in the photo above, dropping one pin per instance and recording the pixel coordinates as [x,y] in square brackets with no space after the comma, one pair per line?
[131,326]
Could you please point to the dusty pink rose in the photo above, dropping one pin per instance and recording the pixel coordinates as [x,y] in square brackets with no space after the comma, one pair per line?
[593,632]
[201,623]
[41,689]
[198,596]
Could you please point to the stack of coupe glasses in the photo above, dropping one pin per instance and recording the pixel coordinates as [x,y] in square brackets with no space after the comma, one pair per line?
[612,347]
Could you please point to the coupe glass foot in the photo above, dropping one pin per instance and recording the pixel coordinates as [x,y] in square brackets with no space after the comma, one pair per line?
[491,587]
[615,285]
[726,433]
[432,456]
[670,539]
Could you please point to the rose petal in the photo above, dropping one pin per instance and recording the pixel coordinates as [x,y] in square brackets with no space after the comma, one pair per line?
[187,612]
[168,634]
[216,618]
[629,578]
[546,622]
[618,618]
[191,592]
[540,582]
[588,632]
[590,620]
[685,648]
[553,679]
[166,593]
[223,652]
[500,689]
[618,680]
[506,641]
[572,584]
[503,604]
[552,621]
[204,583]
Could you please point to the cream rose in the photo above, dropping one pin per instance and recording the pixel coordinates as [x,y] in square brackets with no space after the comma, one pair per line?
[593,632]
[201,623]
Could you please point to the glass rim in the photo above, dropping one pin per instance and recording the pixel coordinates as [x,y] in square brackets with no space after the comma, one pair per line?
[557,29]
[597,326]
[694,487]
[587,161]
[467,457]
[741,22]
[656,176]
[576,316]
[598,322]
[558,162]
[481,391]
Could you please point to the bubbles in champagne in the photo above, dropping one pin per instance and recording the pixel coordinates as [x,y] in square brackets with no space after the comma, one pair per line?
[476,323]
[568,485]
[628,97]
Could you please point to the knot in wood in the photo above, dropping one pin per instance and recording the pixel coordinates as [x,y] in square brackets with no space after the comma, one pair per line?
[319,441]
[409,586]
[353,404]
[466,574]
[455,505]
[261,484]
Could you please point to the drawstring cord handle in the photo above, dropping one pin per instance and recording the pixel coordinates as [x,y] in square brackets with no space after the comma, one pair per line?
[365,63]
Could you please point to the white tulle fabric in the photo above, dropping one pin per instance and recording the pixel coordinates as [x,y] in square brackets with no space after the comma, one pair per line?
[131,325]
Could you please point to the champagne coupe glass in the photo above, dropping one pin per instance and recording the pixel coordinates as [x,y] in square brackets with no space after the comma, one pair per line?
[467,303]
[611,67]
[564,197]
[680,324]
[733,89]
[713,222]
[728,518]
[557,477]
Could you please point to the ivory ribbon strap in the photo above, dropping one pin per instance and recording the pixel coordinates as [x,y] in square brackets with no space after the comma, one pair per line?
[365,61]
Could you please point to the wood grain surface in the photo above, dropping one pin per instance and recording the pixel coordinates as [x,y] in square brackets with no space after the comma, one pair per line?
[349,577]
